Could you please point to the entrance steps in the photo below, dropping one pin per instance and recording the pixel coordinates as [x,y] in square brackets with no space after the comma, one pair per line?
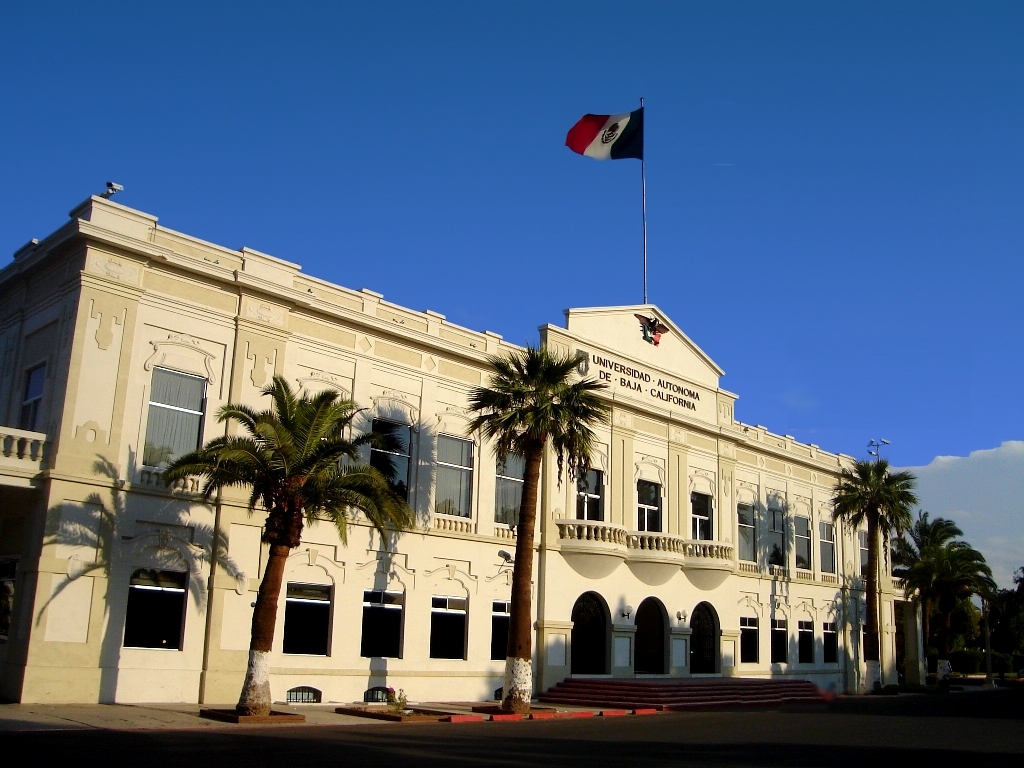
[679,694]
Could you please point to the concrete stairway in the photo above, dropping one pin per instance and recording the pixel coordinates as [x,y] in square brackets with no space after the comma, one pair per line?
[682,694]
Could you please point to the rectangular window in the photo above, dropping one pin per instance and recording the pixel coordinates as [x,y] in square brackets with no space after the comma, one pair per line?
[780,641]
[500,610]
[393,461]
[307,619]
[748,640]
[830,642]
[805,642]
[175,423]
[155,616]
[648,506]
[802,542]
[747,532]
[8,568]
[508,493]
[827,540]
[30,419]
[862,540]
[382,624]
[448,628]
[700,517]
[590,496]
[454,491]
[776,537]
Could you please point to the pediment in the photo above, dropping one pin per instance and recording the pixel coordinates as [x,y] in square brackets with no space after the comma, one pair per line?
[652,339]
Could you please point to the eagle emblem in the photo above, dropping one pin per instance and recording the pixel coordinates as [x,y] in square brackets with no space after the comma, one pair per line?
[610,134]
[651,328]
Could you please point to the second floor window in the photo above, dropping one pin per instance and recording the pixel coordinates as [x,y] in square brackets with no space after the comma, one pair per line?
[590,496]
[776,537]
[31,418]
[648,506]
[862,540]
[827,540]
[700,517]
[508,489]
[393,460]
[747,531]
[802,535]
[175,423]
[454,494]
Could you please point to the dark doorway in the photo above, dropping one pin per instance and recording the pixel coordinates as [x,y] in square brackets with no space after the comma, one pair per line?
[650,638]
[591,629]
[703,640]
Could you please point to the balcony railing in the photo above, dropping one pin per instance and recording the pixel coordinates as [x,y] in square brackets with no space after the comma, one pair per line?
[643,546]
[22,453]
[592,535]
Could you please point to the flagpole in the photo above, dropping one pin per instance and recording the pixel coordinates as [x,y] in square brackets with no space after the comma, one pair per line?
[643,201]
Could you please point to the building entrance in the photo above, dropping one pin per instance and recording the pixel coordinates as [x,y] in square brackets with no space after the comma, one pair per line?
[650,638]
[703,640]
[591,630]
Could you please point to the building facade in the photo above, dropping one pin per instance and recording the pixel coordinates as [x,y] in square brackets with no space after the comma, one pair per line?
[695,545]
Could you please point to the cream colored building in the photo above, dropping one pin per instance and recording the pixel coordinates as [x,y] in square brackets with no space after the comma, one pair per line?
[697,545]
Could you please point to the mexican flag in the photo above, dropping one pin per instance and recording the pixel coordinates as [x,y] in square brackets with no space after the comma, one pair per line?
[609,137]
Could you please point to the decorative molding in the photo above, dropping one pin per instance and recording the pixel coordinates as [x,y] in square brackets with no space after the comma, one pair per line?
[325,381]
[391,399]
[180,341]
[116,270]
[265,313]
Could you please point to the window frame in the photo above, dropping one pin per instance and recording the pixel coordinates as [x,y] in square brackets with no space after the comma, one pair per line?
[294,603]
[590,497]
[864,548]
[382,606]
[502,479]
[752,532]
[805,642]
[151,404]
[501,613]
[777,536]
[749,640]
[137,620]
[646,513]
[442,607]
[396,485]
[780,641]
[696,529]
[827,544]
[32,404]
[830,643]
[802,542]
[462,470]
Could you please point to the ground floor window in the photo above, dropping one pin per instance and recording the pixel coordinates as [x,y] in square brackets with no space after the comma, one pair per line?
[155,616]
[307,619]
[805,642]
[7,570]
[780,641]
[303,694]
[499,629]
[382,624]
[830,642]
[748,640]
[448,628]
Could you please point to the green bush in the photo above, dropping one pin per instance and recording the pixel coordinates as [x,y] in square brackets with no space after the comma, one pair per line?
[1001,662]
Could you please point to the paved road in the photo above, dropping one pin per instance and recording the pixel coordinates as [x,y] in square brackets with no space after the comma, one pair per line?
[986,728]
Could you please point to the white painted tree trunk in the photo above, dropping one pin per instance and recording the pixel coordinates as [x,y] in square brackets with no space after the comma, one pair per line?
[255,698]
[943,669]
[518,684]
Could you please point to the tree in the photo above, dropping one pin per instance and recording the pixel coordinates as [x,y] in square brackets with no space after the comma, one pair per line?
[915,555]
[531,401]
[961,571]
[869,493]
[295,461]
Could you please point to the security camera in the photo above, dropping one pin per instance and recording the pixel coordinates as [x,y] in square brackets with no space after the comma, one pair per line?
[504,555]
[112,187]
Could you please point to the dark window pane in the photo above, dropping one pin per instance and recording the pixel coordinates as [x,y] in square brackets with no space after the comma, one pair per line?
[155,613]
[499,637]
[382,632]
[447,635]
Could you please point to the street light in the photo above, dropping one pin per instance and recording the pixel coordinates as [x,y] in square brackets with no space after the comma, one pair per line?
[877,446]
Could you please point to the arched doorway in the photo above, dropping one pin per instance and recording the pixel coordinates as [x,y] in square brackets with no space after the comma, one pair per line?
[703,640]
[591,630]
[650,638]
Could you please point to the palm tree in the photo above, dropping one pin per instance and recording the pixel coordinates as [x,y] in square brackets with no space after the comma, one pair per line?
[916,557]
[294,461]
[869,493]
[961,571]
[531,400]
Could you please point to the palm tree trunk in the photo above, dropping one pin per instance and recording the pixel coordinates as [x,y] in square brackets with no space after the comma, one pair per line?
[518,688]
[943,667]
[871,646]
[255,696]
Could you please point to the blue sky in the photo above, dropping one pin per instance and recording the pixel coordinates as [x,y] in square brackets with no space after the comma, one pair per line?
[834,190]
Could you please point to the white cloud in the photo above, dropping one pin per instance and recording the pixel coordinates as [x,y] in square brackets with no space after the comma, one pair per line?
[984,494]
